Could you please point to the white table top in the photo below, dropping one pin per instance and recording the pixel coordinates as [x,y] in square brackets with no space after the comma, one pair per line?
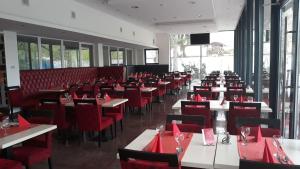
[144,89]
[227,155]
[114,102]
[52,90]
[215,105]
[197,155]
[27,134]
[164,83]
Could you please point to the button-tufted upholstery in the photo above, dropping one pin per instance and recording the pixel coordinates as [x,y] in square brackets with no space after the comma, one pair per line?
[33,80]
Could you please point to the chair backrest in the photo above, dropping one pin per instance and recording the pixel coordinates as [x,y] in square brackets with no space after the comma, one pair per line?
[197,108]
[189,123]
[88,114]
[201,88]
[15,96]
[231,91]
[273,125]
[237,110]
[131,159]
[57,109]
[246,164]
[109,89]
[133,94]
[208,83]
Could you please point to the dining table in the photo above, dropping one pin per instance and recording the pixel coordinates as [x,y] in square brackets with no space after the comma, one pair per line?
[215,105]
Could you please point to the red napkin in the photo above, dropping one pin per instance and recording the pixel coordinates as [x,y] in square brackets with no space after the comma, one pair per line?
[176,130]
[106,97]
[268,157]
[23,122]
[258,137]
[156,144]
[198,98]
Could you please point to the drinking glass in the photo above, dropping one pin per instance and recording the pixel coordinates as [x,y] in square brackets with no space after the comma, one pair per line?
[250,99]
[245,132]
[235,97]
[159,128]
[276,143]
[179,138]
[203,98]
[5,124]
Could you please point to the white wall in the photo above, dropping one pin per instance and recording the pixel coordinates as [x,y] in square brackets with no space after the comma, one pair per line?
[163,43]
[12,62]
[57,14]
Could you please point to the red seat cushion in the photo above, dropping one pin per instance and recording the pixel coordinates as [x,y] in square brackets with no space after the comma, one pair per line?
[29,155]
[106,122]
[10,164]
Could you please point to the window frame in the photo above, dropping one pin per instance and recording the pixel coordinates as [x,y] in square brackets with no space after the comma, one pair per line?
[145,56]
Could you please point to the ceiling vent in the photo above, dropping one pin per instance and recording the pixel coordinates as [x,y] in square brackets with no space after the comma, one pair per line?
[25,2]
[73,15]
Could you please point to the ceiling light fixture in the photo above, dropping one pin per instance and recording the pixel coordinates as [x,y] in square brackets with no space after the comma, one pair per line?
[135,7]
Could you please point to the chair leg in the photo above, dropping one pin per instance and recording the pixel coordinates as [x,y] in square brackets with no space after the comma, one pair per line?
[99,138]
[111,131]
[115,125]
[121,125]
[50,163]
[26,166]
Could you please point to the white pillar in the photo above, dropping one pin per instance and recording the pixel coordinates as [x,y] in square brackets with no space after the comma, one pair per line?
[99,61]
[163,43]
[12,60]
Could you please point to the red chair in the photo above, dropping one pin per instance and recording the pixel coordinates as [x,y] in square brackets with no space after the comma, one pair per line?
[35,150]
[117,114]
[198,108]
[10,164]
[89,117]
[16,99]
[107,89]
[189,123]
[273,125]
[237,110]
[131,159]
[135,99]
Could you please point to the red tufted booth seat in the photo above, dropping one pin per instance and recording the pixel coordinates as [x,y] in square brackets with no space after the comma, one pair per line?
[33,80]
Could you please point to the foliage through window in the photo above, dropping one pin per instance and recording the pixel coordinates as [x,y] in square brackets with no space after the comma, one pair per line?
[151,56]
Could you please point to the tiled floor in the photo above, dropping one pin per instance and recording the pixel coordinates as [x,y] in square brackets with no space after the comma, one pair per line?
[89,156]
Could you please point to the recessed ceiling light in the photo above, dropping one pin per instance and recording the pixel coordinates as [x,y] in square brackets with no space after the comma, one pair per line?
[192,2]
[199,16]
[134,7]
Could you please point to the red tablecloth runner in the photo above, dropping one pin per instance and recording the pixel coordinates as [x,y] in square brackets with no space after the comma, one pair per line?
[169,144]
[255,150]
[14,130]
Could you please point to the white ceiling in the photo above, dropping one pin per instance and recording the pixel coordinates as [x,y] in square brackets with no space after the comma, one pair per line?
[175,16]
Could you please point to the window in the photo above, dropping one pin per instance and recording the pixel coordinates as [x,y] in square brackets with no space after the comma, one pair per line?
[86,55]
[71,57]
[151,56]
[27,53]
[51,53]
[116,56]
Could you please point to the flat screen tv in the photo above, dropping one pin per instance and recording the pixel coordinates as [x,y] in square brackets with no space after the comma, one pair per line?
[200,39]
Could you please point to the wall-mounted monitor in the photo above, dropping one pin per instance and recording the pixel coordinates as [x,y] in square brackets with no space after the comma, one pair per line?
[200,39]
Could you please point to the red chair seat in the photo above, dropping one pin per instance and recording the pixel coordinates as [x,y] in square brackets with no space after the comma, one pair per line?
[29,155]
[106,122]
[115,116]
[10,164]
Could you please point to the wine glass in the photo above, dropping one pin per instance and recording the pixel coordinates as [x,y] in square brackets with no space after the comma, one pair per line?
[276,144]
[159,128]
[204,99]
[179,138]
[5,124]
[235,97]
[250,99]
[245,131]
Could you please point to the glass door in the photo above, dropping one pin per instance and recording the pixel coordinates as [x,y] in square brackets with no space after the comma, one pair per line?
[286,70]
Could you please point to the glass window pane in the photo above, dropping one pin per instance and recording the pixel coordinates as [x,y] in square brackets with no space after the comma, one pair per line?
[23,54]
[34,56]
[86,55]
[56,52]
[151,56]
[45,53]
[120,57]
[113,56]
[71,54]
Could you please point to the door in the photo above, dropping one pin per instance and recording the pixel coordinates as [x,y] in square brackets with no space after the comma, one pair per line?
[287,70]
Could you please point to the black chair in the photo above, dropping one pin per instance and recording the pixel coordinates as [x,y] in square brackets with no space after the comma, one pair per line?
[127,157]
[246,164]
[189,123]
